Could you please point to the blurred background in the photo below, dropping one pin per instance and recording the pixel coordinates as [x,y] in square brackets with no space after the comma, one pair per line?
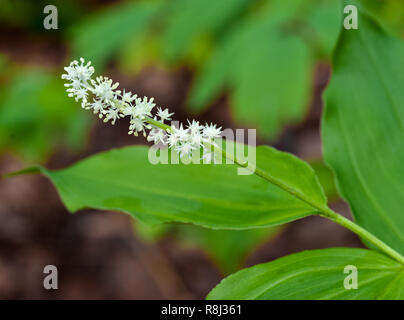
[240,63]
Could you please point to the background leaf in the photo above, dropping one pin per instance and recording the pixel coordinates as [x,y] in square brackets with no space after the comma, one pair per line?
[228,249]
[271,81]
[388,12]
[363,128]
[326,178]
[269,75]
[316,274]
[266,62]
[44,118]
[92,38]
[323,19]
[191,19]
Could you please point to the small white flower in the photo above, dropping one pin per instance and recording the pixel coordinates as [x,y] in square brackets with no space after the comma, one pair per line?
[81,72]
[181,133]
[144,107]
[130,111]
[138,125]
[164,114]
[194,126]
[185,149]
[127,97]
[210,131]
[172,140]
[81,94]
[196,139]
[104,89]
[157,135]
[97,106]
[76,84]
[111,114]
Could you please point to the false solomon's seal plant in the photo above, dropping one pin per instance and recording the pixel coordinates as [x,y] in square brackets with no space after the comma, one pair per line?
[362,132]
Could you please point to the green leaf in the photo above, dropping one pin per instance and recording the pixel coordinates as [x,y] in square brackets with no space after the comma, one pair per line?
[363,128]
[324,19]
[316,274]
[190,19]
[45,118]
[211,80]
[326,178]
[271,81]
[268,72]
[216,73]
[135,55]
[389,12]
[266,62]
[209,195]
[100,36]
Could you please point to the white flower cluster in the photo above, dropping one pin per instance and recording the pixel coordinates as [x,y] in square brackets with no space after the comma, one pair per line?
[112,104]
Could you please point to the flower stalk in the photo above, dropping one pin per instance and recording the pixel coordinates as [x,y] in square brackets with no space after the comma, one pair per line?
[111,104]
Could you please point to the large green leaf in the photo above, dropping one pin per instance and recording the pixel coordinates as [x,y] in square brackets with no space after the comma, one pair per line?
[317,274]
[208,195]
[363,128]
[101,35]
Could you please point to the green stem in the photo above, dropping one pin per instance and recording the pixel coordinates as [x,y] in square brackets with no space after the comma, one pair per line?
[326,212]
[158,124]
[323,211]
[364,234]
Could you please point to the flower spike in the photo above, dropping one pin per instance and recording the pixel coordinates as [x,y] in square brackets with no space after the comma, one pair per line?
[112,104]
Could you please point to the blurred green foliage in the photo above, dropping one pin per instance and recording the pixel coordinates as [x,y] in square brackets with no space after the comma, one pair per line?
[188,20]
[28,15]
[101,34]
[389,12]
[228,249]
[37,117]
[263,52]
[326,178]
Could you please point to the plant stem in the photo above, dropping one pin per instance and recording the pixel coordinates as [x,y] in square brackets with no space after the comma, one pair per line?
[361,232]
[158,124]
[323,211]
